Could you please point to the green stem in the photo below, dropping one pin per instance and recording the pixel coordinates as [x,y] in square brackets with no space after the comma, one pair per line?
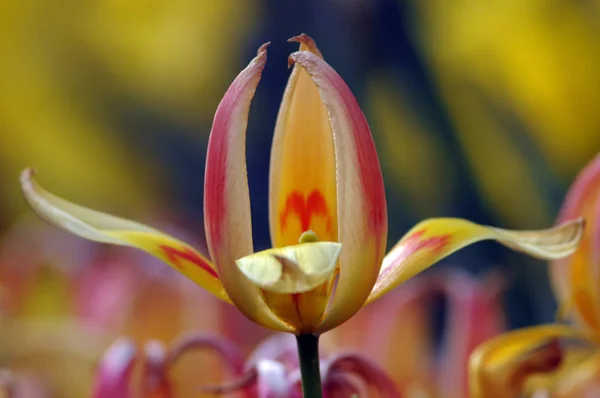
[308,351]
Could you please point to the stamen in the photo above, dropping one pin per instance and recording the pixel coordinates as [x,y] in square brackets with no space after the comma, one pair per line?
[308,237]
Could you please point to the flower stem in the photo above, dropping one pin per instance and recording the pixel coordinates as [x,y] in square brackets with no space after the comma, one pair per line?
[308,351]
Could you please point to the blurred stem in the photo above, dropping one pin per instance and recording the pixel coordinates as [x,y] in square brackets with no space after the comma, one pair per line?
[308,351]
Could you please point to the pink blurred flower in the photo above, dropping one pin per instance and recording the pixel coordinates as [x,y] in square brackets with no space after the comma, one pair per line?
[271,371]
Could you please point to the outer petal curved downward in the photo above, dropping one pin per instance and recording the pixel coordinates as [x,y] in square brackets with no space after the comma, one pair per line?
[433,239]
[500,366]
[101,227]
[361,207]
[226,200]
[575,279]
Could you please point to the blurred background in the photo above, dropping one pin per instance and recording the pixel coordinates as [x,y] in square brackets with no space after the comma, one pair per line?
[482,110]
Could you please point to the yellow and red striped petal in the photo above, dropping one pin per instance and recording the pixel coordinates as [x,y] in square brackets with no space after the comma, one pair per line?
[226,199]
[302,177]
[500,366]
[361,207]
[101,227]
[433,239]
[575,279]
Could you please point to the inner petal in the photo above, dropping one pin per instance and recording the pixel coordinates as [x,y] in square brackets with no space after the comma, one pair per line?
[303,172]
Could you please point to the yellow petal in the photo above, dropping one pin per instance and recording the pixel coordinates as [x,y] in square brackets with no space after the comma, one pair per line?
[302,172]
[291,269]
[500,366]
[227,220]
[101,227]
[361,206]
[433,239]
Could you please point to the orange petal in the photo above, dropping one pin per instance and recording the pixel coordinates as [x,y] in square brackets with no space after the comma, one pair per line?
[500,366]
[575,279]
[226,200]
[302,172]
[361,207]
[433,239]
[104,228]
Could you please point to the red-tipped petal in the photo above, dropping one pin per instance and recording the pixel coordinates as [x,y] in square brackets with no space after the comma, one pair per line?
[226,199]
[361,206]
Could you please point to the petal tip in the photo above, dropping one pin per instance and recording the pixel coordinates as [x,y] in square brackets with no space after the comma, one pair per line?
[262,50]
[26,178]
[576,229]
[306,42]
[297,56]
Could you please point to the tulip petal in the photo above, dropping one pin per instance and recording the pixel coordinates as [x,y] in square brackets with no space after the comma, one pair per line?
[115,371]
[500,366]
[230,354]
[302,177]
[101,227]
[433,239]
[226,199]
[342,385]
[580,380]
[291,269]
[575,279]
[267,376]
[280,347]
[368,371]
[475,314]
[361,207]
[155,381]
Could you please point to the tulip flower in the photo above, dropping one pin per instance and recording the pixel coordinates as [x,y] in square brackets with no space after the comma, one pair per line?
[521,353]
[328,214]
